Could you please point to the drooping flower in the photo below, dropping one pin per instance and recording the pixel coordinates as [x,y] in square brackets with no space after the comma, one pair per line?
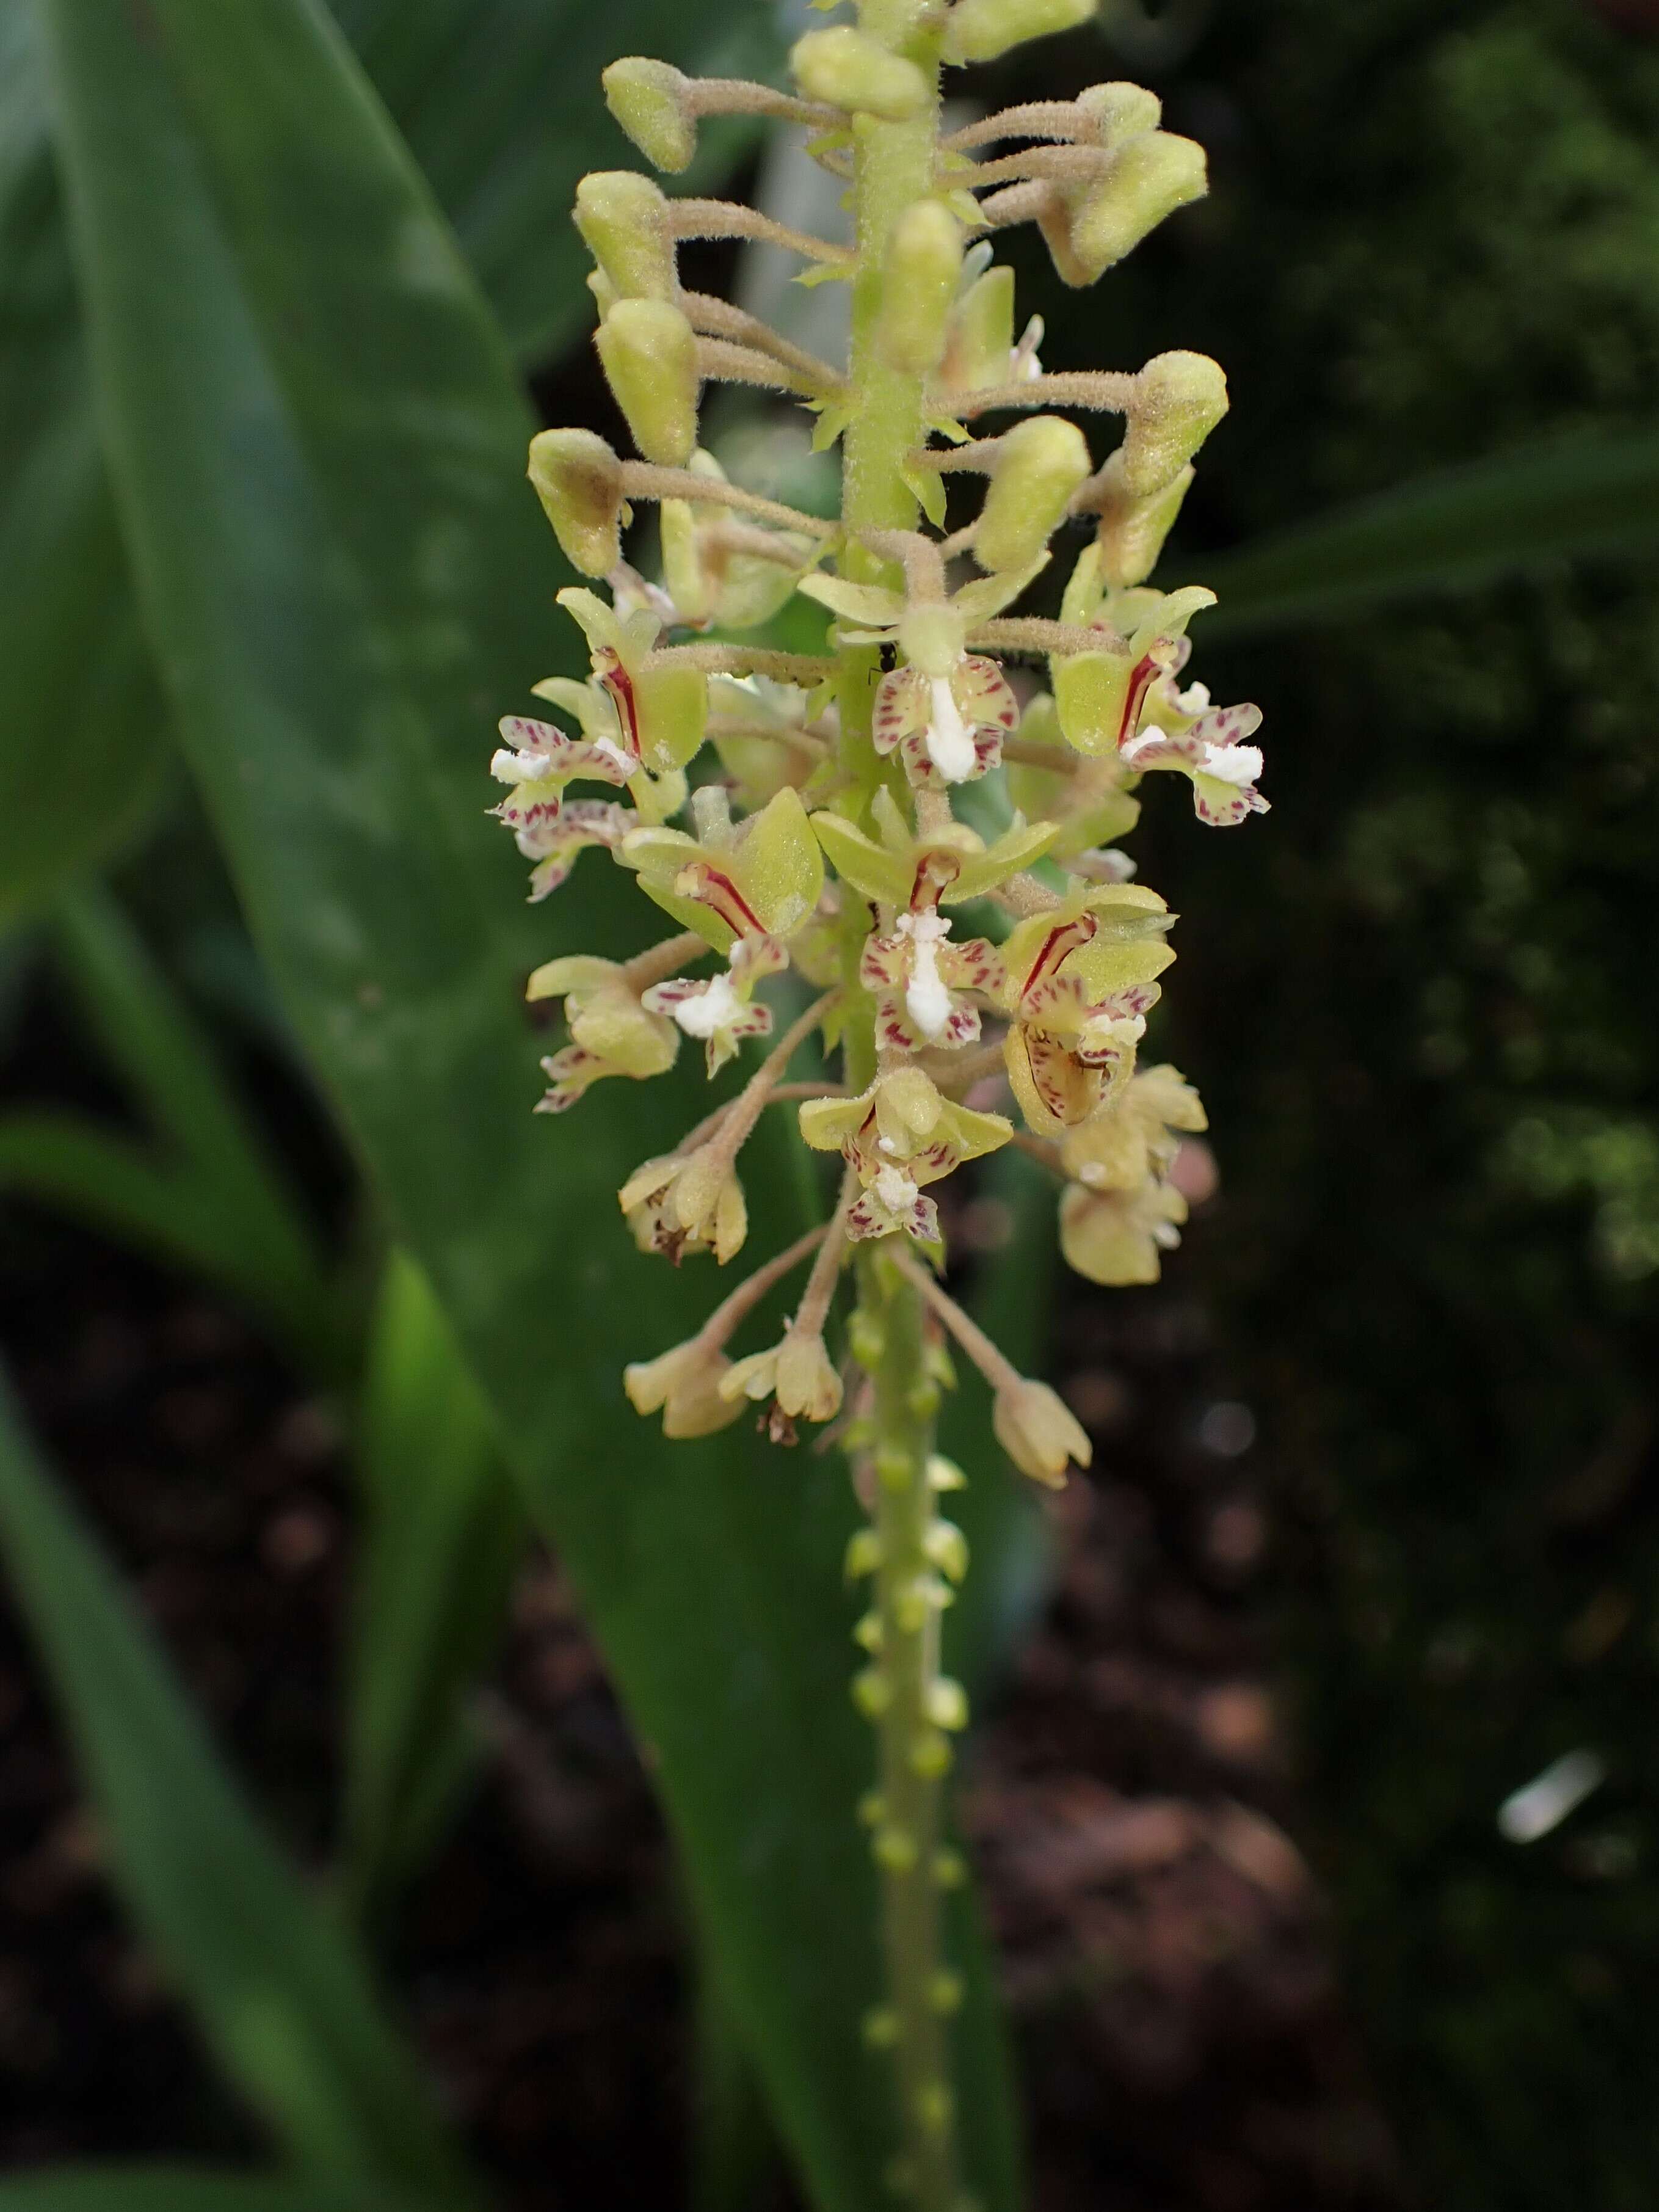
[1138,1135]
[684,1384]
[537,762]
[797,1373]
[1119,1236]
[919,978]
[898,1136]
[612,1031]
[1038,1432]
[1080,980]
[686,1202]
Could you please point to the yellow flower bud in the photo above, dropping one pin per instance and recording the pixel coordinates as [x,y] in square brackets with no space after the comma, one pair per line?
[1114,113]
[1131,530]
[918,284]
[980,30]
[622,217]
[1040,463]
[844,68]
[1182,396]
[649,353]
[1038,1432]
[651,101]
[578,480]
[981,334]
[1153,176]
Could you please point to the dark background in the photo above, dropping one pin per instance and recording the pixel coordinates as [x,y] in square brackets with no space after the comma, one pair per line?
[1238,1814]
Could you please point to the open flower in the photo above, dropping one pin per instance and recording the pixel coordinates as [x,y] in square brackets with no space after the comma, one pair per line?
[945,710]
[913,870]
[686,1202]
[947,729]
[684,1384]
[1080,978]
[536,763]
[919,978]
[1210,751]
[612,1031]
[720,1009]
[899,1136]
[758,877]
[653,712]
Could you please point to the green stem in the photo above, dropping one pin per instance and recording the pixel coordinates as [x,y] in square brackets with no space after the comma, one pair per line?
[893,165]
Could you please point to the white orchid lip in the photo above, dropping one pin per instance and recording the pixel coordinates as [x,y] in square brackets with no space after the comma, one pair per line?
[1236,764]
[926,998]
[949,740]
[711,1011]
[895,1190]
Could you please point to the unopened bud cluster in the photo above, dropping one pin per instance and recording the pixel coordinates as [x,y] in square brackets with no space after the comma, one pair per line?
[797,818]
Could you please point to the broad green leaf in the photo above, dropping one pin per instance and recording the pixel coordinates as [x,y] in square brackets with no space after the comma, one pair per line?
[82,723]
[318,450]
[275,1986]
[1451,531]
[185,2189]
[442,1529]
[261,1241]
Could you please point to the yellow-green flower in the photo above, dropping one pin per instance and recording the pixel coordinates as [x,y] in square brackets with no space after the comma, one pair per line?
[899,1136]
[684,1384]
[914,870]
[689,1202]
[1080,978]
[759,878]
[1119,1236]
[720,1009]
[612,1029]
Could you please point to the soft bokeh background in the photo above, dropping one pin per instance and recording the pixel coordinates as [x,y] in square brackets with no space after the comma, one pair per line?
[1373,1537]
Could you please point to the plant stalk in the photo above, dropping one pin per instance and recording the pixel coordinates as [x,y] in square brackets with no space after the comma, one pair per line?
[892,167]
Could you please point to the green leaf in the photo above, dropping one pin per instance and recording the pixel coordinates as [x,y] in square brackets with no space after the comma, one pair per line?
[1453,530]
[319,452]
[84,728]
[441,1531]
[182,2188]
[276,1987]
[258,1238]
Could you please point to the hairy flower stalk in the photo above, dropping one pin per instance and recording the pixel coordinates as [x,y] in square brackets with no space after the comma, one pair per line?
[795,815]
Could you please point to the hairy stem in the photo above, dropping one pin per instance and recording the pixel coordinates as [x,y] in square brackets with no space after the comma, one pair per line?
[892,167]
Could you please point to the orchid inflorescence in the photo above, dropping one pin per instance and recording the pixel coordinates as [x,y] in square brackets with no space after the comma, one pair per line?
[801,816]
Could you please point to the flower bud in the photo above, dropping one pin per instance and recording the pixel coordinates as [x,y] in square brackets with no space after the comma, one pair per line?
[1182,397]
[623,220]
[649,352]
[1040,463]
[918,284]
[845,69]
[1038,1432]
[1131,530]
[981,334]
[652,102]
[980,30]
[808,1382]
[578,480]
[1114,113]
[1154,174]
